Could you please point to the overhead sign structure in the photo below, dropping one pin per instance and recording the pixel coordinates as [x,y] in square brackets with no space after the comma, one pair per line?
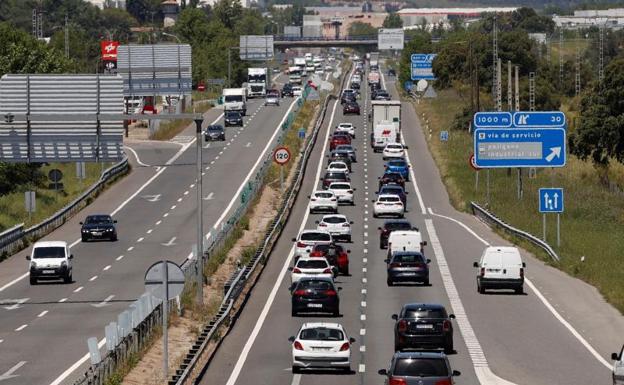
[520,147]
[539,119]
[390,38]
[493,119]
[551,200]
[256,47]
[422,66]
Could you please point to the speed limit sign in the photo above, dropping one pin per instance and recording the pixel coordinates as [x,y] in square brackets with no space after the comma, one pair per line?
[281,155]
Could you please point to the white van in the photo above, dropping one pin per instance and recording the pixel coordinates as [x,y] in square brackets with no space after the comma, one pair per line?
[235,99]
[500,267]
[384,133]
[405,240]
[618,367]
[50,260]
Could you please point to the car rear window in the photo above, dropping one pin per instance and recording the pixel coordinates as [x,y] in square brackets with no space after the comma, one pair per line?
[397,163]
[315,237]
[409,258]
[315,284]
[395,146]
[392,175]
[421,367]
[335,175]
[334,220]
[321,334]
[324,195]
[215,128]
[424,313]
[389,199]
[312,264]
[398,226]
[341,186]
[49,252]
[391,190]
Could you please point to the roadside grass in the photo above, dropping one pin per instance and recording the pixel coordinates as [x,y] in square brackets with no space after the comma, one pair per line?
[568,48]
[593,221]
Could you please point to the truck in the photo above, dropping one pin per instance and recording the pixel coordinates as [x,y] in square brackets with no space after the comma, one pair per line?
[373,78]
[294,75]
[386,110]
[384,132]
[373,61]
[301,63]
[257,82]
[235,99]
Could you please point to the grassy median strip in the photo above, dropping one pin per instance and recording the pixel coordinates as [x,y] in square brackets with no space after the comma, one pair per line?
[593,221]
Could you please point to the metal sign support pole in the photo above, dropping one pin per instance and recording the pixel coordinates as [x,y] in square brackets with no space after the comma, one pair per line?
[544,227]
[558,230]
[487,186]
[282,178]
[476,181]
[165,309]
[519,183]
[200,223]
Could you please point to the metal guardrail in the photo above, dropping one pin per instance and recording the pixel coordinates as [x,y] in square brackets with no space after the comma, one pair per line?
[13,239]
[493,220]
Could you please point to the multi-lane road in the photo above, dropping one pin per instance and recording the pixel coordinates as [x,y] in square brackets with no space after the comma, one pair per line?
[559,332]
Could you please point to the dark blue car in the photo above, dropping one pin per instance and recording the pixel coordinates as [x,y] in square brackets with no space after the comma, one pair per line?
[400,166]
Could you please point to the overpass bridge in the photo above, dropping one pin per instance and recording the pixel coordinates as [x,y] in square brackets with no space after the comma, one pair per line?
[280,41]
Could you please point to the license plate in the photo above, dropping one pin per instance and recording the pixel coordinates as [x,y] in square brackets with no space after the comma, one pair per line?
[424,326]
[97,234]
[409,273]
[493,270]
[315,305]
[320,349]
[48,272]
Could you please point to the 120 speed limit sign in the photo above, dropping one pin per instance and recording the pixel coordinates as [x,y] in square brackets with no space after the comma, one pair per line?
[281,155]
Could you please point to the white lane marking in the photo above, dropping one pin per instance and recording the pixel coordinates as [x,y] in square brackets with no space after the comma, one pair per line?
[170,243]
[149,231]
[363,303]
[296,379]
[93,278]
[479,362]
[9,373]
[362,368]
[363,291]
[106,267]
[364,280]
[212,162]
[363,348]
[78,289]
[158,222]
[165,215]
[105,302]
[174,206]
[119,258]
[362,332]
[62,300]
[192,185]
[140,240]
[179,200]
[209,196]
[130,248]
[186,192]
[16,303]
[269,302]
[76,365]
[364,260]
[363,270]
[217,157]
[19,329]
[13,282]
[42,314]
[248,144]
[468,229]
[136,156]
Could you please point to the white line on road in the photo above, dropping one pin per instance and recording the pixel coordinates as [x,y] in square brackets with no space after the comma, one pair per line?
[137,157]
[174,206]
[93,278]
[78,289]
[165,215]
[42,313]
[159,222]
[62,300]
[296,379]
[179,200]
[140,240]
[130,248]
[76,365]
[149,231]
[105,302]
[119,258]
[362,332]
[9,373]
[106,267]
[363,303]
[19,329]
[363,348]
[362,368]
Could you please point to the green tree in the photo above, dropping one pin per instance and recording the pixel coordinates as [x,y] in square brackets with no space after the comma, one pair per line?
[228,12]
[361,29]
[393,20]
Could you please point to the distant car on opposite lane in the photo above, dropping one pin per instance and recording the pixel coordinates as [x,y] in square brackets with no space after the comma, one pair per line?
[233,118]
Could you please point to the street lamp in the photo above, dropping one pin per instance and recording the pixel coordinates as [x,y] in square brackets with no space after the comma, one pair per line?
[173,36]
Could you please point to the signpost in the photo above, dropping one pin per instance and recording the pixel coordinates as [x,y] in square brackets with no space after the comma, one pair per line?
[492,120]
[281,156]
[539,119]
[256,47]
[56,176]
[29,203]
[444,136]
[422,66]
[390,38]
[551,201]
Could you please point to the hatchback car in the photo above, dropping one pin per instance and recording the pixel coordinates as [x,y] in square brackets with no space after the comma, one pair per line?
[349,149]
[343,191]
[306,267]
[287,90]
[394,189]
[348,128]
[351,108]
[391,177]
[393,150]
[306,241]
[423,326]
[323,201]
[388,205]
[419,368]
[315,295]
[331,177]
[297,91]
[400,166]
[233,118]
[407,266]
[272,98]
[338,166]
[338,226]
[214,132]
[337,139]
[341,156]
[335,254]
[321,345]
[98,227]
[347,94]
[390,226]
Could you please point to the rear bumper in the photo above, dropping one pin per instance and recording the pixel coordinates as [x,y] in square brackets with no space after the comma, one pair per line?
[491,283]
[421,341]
[408,276]
[314,361]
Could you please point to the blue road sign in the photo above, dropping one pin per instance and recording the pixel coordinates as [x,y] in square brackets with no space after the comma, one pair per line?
[539,119]
[520,147]
[422,66]
[444,136]
[492,119]
[550,200]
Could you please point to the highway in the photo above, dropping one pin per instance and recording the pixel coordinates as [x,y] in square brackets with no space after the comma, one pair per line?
[560,332]
[156,212]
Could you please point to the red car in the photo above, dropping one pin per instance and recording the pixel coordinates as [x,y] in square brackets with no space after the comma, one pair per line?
[338,139]
[351,108]
[336,255]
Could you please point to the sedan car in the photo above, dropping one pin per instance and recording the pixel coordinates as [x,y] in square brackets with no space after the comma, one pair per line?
[99,226]
[272,98]
[407,266]
[331,177]
[419,368]
[306,267]
[400,166]
[338,226]
[348,128]
[337,139]
[297,91]
[335,254]
[338,166]
[347,95]
[393,150]
[323,201]
[321,345]
[343,192]
[391,177]
[390,226]
[351,108]
[315,295]
[423,326]
[349,149]
[382,95]
[394,189]
[233,118]
[308,239]
[340,156]
[389,205]
[287,90]
[214,132]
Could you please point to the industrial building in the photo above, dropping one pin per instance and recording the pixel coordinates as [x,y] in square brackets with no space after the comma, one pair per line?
[608,18]
[433,16]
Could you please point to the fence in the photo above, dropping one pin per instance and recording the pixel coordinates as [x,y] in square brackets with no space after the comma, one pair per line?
[493,220]
[16,237]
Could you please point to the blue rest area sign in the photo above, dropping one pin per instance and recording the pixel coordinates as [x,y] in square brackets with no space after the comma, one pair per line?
[550,200]
[422,66]
[539,119]
[520,147]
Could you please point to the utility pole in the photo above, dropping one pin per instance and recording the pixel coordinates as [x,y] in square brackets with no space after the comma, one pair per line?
[200,221]
[34,22]
[67,36]
[560,58]
[40,25]
[509,90]
[494,59]
[532,91]
[601,58]
[517,71]
[499,90]
[577,77]
[472,83]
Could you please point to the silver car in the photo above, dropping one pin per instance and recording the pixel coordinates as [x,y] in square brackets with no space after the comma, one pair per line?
[272,98]
[419,368]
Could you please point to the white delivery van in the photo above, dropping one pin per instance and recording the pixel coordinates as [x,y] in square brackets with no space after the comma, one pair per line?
[294,75]
[50,260]
[618,367]
[235,99]
[500,267]
[405,240]
[384,133]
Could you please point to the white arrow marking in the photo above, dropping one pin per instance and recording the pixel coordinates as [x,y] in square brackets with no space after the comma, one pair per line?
[15,303]
[209,197]
[556,196]
[9,373]
[105,302]
[546,200]
[248,144]
[151,198]
[170,243]
[554,152]
[207,145]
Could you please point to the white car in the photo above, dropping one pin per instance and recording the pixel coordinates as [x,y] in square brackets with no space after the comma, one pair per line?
[338,166]
[329,68]
[349,128]
[306,241]
[305,267]
[338,226]
[393,150]
[319,71]
[297,91]
[321,345]
[343,192]
[322,200]
[388,204]
[50,260]
[356,78]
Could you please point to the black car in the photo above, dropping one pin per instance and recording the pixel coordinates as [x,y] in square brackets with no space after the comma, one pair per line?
[374,87]
[382,95]
[348,95]
[390,226]
[391,72]
[214,132]
[287,90]
[315,295]
[424,368]
[98,227]
[340,156]
[331,177]
[233,118]
[351,108]
[391,177]
[423,326]
[394,189]
[355,85]
[407,266]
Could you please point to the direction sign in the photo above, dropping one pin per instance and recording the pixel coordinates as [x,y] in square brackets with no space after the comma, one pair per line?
[492,119]
[520,147]
[390,38]
[550,200]
[281,155]
[422,66]
[539,119]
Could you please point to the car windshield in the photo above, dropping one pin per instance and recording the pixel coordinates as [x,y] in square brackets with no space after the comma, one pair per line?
[344,147]
[322,237]
[315,284]
[335,175]
[312,264]
[98,219]
[408,258]
[338,165]
[395,146]
[424,313]
[420,367]
[324,195]
[397,163]
[389,199]
[233,98]
[232,115]
[398,226]
[392,175]
[215,128]
[48,252]
[334,219]
[340,186]
[321,334]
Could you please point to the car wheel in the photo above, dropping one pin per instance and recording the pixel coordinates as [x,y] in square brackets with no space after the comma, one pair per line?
[481,289]
[401,216]
[348,239]
[296,369]
[336,312]
[33,280]
[83,239]
[68,278]
[448,348]
[114,238]
[397,347]
[390,283]
[519,290]
[293,312]
[345,271]
[426,282]
[374,215]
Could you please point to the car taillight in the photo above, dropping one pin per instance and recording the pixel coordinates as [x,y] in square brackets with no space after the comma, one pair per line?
[346,224]
[301,244]
[446,326]
[295,270]
[395,264]
[402,325]
[345,347]
[330,292]
[322,224]
[327,271]
[297,345]
[397,381]
[483,271]
[521,273]
[299,292]
[444,382]
[350,191]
